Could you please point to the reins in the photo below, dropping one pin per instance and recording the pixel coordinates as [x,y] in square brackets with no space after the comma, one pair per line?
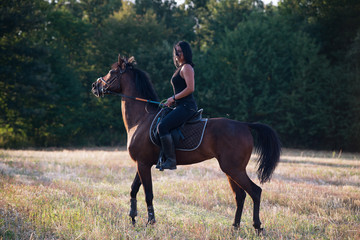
[161,104]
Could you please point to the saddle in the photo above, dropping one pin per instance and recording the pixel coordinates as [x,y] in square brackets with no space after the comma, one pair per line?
[187,137]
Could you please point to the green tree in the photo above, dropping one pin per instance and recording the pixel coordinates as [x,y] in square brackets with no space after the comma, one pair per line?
[24,72]
[333,23]
[351,129]
[66,38]
[178,22]
[264,71]
[47,60]
[214,17]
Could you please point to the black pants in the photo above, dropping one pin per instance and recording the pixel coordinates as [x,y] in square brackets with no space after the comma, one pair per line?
[176,118]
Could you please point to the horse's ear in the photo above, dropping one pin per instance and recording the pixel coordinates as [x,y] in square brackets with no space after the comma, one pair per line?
[119,60]
[132,60]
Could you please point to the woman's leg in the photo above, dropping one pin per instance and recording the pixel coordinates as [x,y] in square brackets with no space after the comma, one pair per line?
[173,120]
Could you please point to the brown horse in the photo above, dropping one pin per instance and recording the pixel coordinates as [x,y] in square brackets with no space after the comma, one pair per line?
[229,141]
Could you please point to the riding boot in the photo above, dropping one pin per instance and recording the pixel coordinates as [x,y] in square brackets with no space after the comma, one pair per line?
[168,148]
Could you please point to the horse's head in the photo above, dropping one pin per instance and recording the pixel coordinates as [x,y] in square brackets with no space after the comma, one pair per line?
[111,82]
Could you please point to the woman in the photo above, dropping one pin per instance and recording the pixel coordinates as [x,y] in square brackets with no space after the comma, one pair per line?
[183,83]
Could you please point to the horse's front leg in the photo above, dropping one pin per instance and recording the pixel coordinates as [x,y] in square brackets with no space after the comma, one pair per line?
[135,186]
[145,177]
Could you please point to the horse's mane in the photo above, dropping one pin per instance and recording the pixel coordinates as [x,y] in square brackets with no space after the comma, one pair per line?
[143,83]
[144,86]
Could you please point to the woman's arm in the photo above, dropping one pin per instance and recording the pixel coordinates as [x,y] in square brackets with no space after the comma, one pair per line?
[186,72]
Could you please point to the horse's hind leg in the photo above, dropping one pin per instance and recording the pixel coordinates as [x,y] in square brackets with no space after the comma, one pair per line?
[242,179]
[240,196]
[135,186]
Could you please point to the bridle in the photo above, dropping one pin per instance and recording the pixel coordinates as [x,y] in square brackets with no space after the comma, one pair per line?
[105,88]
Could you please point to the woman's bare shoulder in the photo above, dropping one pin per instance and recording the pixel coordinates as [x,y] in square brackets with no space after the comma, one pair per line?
[187,68]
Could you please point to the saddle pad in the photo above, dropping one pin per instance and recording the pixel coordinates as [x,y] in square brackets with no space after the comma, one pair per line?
[191,134]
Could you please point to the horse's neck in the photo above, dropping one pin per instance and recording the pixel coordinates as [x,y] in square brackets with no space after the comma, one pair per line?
[134,113]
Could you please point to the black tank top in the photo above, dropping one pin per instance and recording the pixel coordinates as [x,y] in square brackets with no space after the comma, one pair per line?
[179,84]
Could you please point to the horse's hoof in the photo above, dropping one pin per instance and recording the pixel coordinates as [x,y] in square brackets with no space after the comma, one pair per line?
[151,216]
[151,222]
[259,231]
[133,221]
[133,214]
[236,226]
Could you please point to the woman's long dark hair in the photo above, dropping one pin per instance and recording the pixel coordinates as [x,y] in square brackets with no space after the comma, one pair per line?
[186,50]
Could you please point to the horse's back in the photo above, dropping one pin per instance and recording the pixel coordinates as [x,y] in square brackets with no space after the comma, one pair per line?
[229,129]
[228,138]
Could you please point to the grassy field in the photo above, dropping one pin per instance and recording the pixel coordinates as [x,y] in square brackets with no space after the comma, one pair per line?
[84,194]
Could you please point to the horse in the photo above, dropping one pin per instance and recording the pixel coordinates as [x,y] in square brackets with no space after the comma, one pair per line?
[229,141]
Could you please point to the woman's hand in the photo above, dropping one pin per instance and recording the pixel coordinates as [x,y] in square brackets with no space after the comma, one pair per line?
[170,101]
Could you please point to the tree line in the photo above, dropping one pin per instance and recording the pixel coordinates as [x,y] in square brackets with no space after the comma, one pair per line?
[295,66]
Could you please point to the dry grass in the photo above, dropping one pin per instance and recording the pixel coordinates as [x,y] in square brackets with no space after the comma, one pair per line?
[84,194]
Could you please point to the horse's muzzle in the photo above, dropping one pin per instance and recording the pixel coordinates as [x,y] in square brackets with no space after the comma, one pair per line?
[96,89]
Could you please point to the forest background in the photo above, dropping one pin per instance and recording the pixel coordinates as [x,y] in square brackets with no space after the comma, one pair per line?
[294,66]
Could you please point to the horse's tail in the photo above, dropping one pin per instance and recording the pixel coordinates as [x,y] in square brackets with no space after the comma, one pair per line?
[268,146]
